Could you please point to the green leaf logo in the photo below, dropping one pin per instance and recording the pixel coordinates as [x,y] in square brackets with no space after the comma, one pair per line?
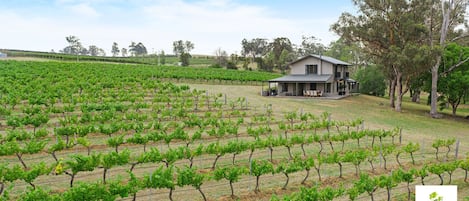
[434,197]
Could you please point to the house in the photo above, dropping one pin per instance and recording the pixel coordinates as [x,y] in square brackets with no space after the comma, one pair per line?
[3,55]
[316,75]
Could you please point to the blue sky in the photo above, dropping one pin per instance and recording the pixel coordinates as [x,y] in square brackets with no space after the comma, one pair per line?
[210,24]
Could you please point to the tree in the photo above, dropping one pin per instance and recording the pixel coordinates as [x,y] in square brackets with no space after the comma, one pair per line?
[454,85]
[115,49]
[311,45]
[394,36]
[162,58]
[452,14]
[183,49]
[124,52]
[93,50]
[351,52]
[74,46]
[255,48]
[137,49]
[221,57]
[281,49]
[372,80]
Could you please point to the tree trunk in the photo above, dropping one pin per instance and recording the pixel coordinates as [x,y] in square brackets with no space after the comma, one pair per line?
[416,96]
[398,106]
[392,92]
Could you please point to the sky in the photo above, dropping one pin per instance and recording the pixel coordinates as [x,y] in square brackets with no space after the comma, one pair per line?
[42,25]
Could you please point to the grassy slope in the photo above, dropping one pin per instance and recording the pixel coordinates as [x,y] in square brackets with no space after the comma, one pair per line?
[414,119]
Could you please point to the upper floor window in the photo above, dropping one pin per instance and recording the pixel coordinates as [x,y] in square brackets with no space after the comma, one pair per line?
[311,69]
[337,74]
[347,74]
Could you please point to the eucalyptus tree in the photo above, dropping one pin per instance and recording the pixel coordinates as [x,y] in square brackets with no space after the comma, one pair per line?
[182,49]
[74,47]
[255,48]
[115,49]
[311,45]
[444,17]
[393,35]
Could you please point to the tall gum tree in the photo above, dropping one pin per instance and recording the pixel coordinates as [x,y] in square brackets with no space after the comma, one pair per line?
[393,34]
[446,15]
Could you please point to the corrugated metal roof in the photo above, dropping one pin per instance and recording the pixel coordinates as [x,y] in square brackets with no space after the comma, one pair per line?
[311,78]
[324,58]
[331,60]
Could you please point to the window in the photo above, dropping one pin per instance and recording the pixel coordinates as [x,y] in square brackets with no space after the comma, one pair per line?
[311,69]
[347,74]
[337,74]
[312,86]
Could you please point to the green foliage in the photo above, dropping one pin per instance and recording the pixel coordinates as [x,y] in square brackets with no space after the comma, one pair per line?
[89,191]
[372,80]
[37,194]
[162,177]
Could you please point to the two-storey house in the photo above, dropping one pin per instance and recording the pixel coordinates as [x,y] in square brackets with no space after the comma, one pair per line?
[316,75]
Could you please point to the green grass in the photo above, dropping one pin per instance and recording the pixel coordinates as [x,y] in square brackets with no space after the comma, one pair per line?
[414,118]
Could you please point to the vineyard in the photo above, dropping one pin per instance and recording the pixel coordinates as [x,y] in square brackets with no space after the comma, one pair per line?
[148,59]
[82,131]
